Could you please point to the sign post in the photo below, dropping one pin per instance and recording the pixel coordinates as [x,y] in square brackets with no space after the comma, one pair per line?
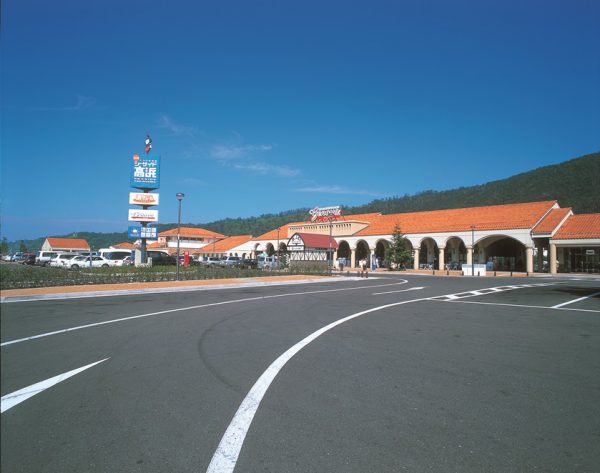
[145,176]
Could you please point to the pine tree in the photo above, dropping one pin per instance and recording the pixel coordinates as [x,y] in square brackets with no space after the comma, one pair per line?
[399,252]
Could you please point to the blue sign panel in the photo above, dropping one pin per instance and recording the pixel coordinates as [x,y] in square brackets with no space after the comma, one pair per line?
[146,172]
[143,232]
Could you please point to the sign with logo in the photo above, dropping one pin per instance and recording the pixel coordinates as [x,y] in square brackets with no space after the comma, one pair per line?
[143,232]
[145,173]
[295,243]
[590,252]
[325,214]
[143,198]
[136,215]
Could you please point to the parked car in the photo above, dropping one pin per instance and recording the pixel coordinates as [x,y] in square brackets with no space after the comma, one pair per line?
[161,258]
[44,257]
[84,261]
[211,261]
[249,263]
[61,260]
[230,261]
[28,258]
[17,257]
[267,262]
[117,257]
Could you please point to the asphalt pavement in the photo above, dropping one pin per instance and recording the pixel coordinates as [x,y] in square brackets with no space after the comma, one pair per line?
[386,374]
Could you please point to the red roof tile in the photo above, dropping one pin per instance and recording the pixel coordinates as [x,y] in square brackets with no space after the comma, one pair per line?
[225,245]
[551,221]
[315,240]
[191,232]
[72,243]
[125,245]
[492,217]
[579,227]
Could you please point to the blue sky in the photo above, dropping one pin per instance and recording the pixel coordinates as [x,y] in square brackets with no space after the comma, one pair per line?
[260,107]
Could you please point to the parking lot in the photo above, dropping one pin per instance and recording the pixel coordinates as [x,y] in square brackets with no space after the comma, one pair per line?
[391,373]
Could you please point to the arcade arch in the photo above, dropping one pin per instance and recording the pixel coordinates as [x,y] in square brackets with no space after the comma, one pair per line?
[455,253]
[428,253]
[504,252]
[362,252]
[381,248]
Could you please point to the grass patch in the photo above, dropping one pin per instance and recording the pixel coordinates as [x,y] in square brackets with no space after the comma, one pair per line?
[17,276]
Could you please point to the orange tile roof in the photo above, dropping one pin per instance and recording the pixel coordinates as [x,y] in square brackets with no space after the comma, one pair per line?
[491,217]
[125,245]
[225,244]
[283,229]
[154,245]
[272,234]
[191,232]
[551,221]
[73,243]
[579,227]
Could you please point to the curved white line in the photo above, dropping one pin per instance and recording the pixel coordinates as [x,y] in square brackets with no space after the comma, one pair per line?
[226,455]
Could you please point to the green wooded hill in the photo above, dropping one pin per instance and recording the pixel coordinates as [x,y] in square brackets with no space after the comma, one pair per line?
[574,183]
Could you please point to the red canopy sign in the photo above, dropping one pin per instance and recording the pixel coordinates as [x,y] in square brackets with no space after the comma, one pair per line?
[325,214]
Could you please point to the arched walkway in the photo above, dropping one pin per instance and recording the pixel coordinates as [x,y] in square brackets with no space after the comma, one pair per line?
[344,254]
[380,253]
[455,253]
[362,253]
[270,249]
[501,253]
[428,254]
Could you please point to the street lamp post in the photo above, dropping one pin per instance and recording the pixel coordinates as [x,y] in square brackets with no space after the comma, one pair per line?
[330,250]
[278,228]
[180,197]
[472,250]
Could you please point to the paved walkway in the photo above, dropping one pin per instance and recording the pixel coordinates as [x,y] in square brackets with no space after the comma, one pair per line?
[95,290]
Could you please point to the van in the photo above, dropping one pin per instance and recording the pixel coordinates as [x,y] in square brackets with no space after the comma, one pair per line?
[44,257]
[267,262]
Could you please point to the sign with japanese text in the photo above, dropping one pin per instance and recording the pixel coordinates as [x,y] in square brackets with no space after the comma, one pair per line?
[145,173]
[143,232]
[143,198]
[136,215]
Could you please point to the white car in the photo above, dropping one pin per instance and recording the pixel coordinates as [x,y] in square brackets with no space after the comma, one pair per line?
[117,257]
[61,260]
[84,262]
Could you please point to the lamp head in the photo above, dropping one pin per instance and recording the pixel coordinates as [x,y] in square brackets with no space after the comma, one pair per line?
[180,195]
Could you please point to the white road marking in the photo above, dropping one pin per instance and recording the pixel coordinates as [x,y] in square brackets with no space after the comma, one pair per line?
[248,299]
[400,290]
[12,399]
[518,305]
[225,457]
[557,306]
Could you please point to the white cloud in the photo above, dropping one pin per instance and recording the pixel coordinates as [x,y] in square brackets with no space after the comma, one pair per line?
[264,168]
[334,189]
[165,122]
[227,152]
[193,182]
[83,103]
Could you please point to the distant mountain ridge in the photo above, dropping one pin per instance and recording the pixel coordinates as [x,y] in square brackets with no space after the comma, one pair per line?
[574,183]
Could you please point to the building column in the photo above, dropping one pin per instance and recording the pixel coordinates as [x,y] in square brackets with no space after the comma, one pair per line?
[416,261]
[529,259]
[441,258]
[469,255]
[540,258]
[353,258]
[552,258]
